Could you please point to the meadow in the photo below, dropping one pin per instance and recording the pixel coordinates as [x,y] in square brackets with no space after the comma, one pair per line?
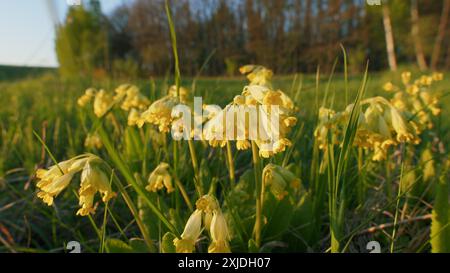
[342,198]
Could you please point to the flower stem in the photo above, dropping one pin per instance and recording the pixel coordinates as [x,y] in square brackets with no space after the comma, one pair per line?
[231,169]
[197,180]
[257,171]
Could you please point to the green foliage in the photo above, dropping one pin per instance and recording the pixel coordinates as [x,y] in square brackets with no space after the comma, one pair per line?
[440,226]
[82,43]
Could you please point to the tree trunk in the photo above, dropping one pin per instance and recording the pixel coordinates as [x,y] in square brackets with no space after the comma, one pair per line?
[440,35]
[389,35]
[415,32]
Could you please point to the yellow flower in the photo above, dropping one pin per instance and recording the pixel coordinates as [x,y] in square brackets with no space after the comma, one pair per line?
[243,145]
[389,87]
[87,97]
[102,103]
[278,179]
[131,97]
[93,180]
[405,132]
[437,76]
[257,75]
[219,234]
[160,178]
[191,232]
[54,180]
[159,113]
[133,117]
[183,93]
[429,171]
[93,141]
[406,77]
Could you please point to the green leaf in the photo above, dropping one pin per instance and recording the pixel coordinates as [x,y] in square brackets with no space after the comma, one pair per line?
[139,246]
[167,245]
[252,247]
[440,230]
[117,246]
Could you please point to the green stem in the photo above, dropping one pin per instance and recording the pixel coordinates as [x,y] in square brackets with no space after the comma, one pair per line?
[258,217]
[197,180]
[231,169]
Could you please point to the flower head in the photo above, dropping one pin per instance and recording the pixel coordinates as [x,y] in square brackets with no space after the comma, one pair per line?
[58,177]
[160,178]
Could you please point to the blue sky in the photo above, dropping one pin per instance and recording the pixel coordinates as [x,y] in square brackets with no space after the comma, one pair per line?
[27,32]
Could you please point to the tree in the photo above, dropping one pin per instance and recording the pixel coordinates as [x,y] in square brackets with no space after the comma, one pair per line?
[415,32]
[82,43]
[389,36]
[441,35]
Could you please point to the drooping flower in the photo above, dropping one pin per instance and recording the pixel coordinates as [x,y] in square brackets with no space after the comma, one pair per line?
[58,177]
[86,97]
[259,114]
[279,179]
[191,232]
[219,234]
[103,101]
[93,141]
[160,178]
[130,97]
[93,180]
[207,215]
[160,113]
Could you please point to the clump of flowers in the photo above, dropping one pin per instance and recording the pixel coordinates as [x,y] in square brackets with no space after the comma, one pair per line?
[417,99]
[208,215]
[127,96]
[54,180]
[380,126]
[257,97]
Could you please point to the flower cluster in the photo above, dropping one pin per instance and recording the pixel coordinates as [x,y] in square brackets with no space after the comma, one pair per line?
[416,99]
[127,96]
[160,112]
[272,126]
[380,126]
[209,215]
[54,180]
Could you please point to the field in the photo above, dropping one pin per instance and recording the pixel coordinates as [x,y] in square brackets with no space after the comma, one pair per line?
[344,199]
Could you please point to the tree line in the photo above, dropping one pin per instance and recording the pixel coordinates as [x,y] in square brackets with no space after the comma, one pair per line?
[287,35]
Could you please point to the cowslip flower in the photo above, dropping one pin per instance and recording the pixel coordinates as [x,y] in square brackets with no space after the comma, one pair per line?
[219,234]
[279,180]
[417,100]
[182,95]
[93,141]
[93,180]
[103,101]
[257,74]
[160,113]
[160,178]
[58,177]
[380,126]
[130,97]
[207,215]
[192,231]
[268,112]
[88,95]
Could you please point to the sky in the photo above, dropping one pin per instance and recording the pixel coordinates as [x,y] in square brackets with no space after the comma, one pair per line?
[27,30]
